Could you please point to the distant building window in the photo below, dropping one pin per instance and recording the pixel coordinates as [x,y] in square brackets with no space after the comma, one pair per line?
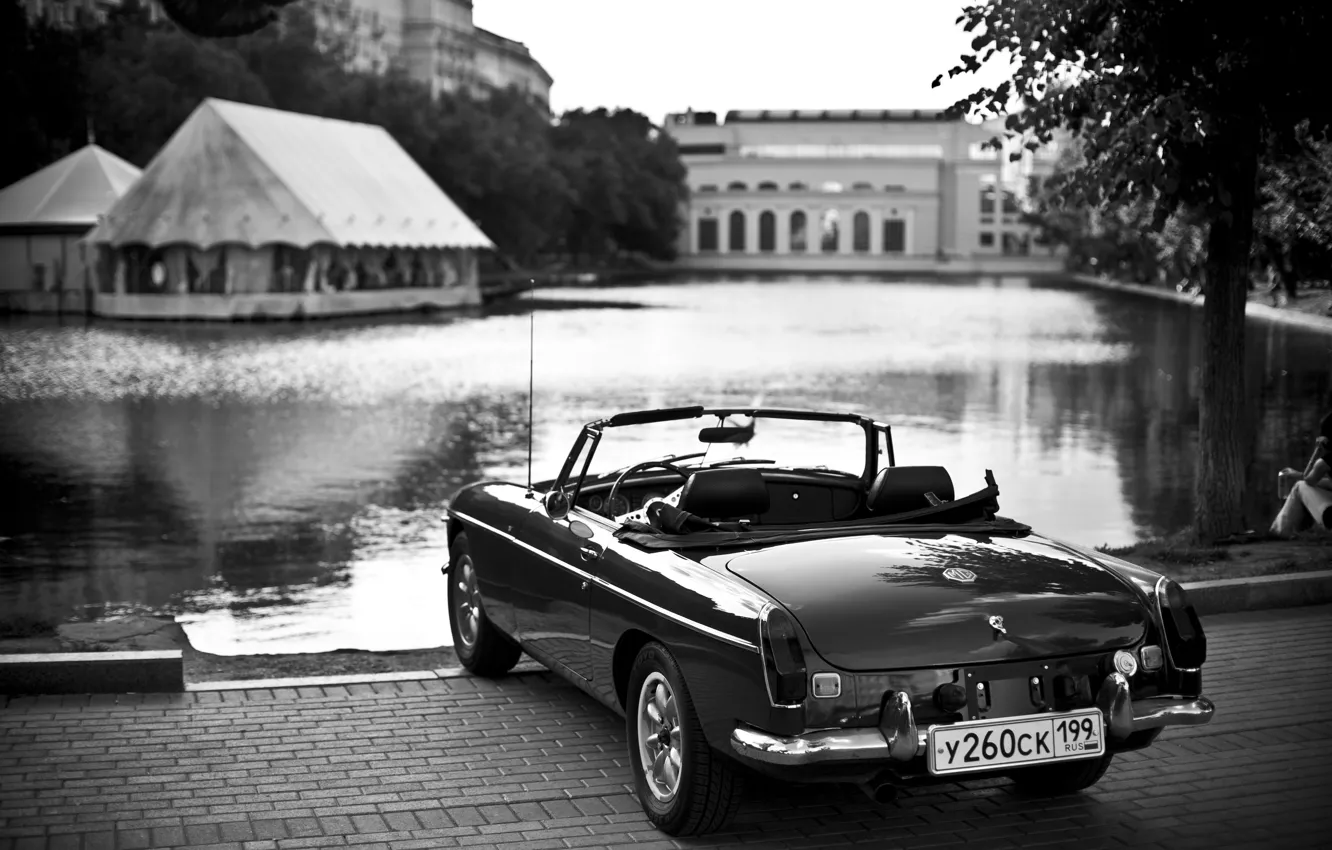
[737,232]
[702,150]
[799,226]
[707,234]
[987,239]
[797,187]
[707,187]
[830,231]
[894,236]
[860,233]
[768,186]
[894,187]
[832,186]
[862,187]
[736,186]
[1017,244]
[1010,202]
[767,232]
[987,200]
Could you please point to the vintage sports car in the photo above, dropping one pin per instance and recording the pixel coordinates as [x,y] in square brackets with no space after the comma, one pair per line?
[818,614]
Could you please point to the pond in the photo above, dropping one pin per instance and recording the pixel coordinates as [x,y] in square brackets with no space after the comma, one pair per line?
[279,486]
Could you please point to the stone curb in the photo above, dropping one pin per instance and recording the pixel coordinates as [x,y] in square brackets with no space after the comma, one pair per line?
[1229,596]
[143,671]
[163,671]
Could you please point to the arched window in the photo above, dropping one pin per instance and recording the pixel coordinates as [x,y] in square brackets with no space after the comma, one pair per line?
[767,231]
[707,187]
[863,187]
[707,235]
[832,186]
[736,186]
[860,232]
[797,186]
[799,242]
[768,186]
[831,231]
[737,232]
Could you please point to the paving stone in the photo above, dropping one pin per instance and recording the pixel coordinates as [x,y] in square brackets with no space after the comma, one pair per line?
[529,762]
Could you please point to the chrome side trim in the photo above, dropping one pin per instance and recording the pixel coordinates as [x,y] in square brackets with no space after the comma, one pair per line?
[1124,716]
[811,748]
[1159,713]
[623,594]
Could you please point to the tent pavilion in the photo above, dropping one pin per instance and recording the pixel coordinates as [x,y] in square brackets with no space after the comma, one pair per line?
[252,212]
[43,217]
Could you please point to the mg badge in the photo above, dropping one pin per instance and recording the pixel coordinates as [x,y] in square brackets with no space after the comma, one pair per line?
[997,623]
[959,574]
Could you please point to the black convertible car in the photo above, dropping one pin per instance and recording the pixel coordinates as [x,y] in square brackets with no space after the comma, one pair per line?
[820,614]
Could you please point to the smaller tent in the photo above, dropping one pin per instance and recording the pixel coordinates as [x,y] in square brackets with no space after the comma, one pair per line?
[42,218]
[283,213]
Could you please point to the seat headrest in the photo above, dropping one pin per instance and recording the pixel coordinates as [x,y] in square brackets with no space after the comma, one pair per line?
[725,493]
[897,489]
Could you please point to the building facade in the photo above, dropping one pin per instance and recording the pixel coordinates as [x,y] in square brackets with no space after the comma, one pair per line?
[68,13]
[436,42]
[850,184]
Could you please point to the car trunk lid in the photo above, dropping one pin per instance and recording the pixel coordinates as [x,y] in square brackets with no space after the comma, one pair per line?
[877,602]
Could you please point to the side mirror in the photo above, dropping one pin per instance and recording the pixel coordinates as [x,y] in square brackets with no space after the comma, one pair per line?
[556,503]
[580,529]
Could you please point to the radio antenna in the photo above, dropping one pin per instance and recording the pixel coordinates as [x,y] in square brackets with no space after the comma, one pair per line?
[531,371]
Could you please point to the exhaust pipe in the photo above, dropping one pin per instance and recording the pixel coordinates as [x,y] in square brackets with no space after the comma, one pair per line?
[880,793]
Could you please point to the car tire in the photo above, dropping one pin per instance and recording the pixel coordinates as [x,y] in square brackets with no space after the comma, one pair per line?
[481,648]
[1050,779]
[707,788]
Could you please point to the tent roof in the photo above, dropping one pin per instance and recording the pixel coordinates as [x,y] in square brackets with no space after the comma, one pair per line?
[74,190]
[234,173]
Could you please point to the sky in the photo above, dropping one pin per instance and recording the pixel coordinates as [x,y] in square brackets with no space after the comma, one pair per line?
[716,55]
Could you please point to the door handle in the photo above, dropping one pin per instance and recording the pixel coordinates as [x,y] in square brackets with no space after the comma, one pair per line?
[590,552]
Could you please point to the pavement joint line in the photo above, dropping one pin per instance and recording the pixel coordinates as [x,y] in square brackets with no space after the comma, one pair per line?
[354,679]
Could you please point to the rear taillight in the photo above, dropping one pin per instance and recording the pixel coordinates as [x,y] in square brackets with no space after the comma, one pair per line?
[783,660]
[1186,645]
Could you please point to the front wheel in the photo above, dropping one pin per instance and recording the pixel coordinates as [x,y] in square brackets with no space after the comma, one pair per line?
[481,648]
[684,787]
[1050,779]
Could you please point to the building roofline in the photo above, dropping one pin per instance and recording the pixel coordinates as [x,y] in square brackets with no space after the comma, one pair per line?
[749,116]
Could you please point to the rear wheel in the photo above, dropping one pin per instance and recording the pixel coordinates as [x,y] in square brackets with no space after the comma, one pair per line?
[481,648]
[685,788]
[1050,779]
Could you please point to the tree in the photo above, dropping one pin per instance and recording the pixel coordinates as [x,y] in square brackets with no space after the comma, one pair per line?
[1172,101]
[221,18]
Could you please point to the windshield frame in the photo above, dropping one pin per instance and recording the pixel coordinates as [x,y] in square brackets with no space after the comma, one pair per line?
[593,432]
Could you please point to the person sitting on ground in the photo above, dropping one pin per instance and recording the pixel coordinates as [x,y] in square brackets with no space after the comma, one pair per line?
[1311,497]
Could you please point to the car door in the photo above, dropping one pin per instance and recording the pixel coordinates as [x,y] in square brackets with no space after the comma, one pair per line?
[553,583]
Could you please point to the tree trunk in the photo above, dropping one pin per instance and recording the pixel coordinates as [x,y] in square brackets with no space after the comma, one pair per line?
[1221,439]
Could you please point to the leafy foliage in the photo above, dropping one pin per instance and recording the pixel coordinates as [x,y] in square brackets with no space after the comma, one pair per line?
[590,185]
[217,18]
[1171,103]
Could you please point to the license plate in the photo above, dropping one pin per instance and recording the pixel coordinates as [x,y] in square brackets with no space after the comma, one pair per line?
[1033,739]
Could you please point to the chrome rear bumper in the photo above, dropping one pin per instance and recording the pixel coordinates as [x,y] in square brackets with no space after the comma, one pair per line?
[897,737]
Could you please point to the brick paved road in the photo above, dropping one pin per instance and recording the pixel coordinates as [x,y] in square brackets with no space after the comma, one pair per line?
[465,762]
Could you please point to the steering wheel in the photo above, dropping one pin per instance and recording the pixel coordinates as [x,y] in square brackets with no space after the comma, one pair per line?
[638,467]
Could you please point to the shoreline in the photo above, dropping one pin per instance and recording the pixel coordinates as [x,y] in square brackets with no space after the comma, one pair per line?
[1260,574]
[1254,309]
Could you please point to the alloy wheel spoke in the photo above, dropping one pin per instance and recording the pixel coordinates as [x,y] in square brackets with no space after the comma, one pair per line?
[659,767]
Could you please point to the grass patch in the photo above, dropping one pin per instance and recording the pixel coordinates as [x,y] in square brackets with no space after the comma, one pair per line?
[1179,549]
[23,626]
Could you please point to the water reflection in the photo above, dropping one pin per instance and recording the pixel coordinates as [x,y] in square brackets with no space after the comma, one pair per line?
[279,486]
